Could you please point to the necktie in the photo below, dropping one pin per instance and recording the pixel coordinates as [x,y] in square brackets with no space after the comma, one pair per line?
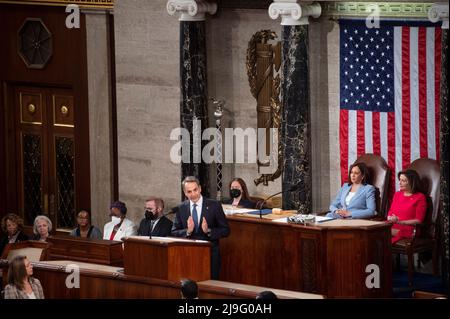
[195,217]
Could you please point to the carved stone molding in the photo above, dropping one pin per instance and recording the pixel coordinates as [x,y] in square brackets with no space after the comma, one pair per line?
[293,13]
[386,9]
[438,12]
[191,10]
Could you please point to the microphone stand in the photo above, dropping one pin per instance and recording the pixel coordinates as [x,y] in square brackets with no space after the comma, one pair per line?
[291,189]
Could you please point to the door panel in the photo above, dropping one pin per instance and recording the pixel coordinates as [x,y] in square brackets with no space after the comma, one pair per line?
[45,128]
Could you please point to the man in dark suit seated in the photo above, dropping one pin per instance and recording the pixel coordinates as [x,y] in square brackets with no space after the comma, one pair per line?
[201,218]
[155,223]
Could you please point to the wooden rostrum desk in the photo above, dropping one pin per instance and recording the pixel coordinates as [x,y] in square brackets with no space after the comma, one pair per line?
[328,258]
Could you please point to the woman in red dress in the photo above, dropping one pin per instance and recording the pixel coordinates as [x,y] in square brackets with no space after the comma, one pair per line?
[408,207]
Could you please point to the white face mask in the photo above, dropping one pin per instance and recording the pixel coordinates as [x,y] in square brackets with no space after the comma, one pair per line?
[115,220]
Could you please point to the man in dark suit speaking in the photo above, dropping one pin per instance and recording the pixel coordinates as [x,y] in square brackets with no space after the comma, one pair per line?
[201,218]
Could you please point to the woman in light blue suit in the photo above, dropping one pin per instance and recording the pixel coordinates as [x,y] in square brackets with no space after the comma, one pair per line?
[355,199]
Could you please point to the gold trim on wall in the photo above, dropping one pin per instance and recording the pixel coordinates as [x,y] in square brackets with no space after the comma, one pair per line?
[91,4]
[387,9]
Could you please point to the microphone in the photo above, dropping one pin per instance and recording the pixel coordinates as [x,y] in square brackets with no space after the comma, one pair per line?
[293,188]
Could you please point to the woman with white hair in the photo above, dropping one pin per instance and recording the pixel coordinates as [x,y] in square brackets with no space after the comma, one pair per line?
[42,227]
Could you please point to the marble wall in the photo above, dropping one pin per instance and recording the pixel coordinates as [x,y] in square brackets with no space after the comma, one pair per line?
[324,80]
[100,116]
[148,98]
[228,33]
[148,102]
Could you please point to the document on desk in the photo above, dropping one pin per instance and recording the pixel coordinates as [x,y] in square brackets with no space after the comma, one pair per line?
[234,210]
[319,219]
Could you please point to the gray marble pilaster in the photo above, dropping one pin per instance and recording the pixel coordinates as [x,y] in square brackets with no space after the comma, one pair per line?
[296,126]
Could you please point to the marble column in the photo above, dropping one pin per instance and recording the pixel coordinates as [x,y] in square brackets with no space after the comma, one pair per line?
[193,83]
[295,100]
[439,12]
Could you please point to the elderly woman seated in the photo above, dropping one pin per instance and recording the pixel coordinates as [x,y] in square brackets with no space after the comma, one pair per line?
[12,226]
[42,227]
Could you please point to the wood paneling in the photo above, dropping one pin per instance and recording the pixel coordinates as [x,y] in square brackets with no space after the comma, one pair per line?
[167,260]
[317,259]
[88,250]
[66,70]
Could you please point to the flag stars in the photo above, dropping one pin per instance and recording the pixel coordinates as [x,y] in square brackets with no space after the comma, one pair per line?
[351,66]
[378,89]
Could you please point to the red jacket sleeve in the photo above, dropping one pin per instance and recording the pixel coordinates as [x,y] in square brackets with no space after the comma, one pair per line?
[421,208]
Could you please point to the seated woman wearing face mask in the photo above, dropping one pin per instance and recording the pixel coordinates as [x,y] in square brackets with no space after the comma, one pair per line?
[239,194]
[119,226]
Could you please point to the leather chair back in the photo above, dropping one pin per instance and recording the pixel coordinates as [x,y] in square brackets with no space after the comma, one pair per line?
[379,178]
[430,175]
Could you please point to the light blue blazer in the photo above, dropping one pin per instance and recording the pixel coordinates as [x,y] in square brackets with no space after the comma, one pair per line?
[362,205]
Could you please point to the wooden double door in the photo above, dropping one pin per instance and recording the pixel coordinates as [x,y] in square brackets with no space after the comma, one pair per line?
[44,154]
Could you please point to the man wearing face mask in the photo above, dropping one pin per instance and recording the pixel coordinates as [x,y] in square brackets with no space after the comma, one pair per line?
[154,223]
[239,194]
[119,226]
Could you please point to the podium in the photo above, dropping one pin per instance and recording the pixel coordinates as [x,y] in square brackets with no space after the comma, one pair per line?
[99,251]
[167,258]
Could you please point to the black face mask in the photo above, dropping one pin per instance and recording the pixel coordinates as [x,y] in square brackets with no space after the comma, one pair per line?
[235,193]
[149,214]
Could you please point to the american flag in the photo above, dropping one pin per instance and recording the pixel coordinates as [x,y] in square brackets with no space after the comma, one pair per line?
[389,93]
